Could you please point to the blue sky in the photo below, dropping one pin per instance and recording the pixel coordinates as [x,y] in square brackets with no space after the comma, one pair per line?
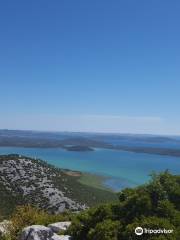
[108,66]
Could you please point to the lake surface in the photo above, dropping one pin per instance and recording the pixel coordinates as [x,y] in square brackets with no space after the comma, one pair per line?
[123,169]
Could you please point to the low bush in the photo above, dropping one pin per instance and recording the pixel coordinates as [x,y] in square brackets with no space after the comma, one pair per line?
[153,206]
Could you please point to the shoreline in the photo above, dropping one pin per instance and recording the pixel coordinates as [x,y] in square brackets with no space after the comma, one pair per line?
[95,180]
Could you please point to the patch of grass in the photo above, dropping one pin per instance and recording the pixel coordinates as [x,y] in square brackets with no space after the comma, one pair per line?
[94,180]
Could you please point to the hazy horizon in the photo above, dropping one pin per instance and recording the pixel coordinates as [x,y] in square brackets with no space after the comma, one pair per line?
[86,132]
[91,123]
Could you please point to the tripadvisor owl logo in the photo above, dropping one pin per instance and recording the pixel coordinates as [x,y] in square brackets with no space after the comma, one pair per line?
[139,231]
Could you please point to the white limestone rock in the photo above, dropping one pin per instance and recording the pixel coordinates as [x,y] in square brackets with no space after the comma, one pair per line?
[36,232]
[59,226]
[61,237]
[4,227]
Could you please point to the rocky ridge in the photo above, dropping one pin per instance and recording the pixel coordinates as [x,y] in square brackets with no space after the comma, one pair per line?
[35,182]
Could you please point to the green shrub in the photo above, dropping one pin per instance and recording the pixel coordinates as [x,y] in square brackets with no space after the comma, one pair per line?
[152,206]
[106,230]
[149,223]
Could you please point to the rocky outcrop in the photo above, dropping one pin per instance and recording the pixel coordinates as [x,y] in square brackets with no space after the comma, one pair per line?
[59,226]
[38,232]
[4,226]
[62,237]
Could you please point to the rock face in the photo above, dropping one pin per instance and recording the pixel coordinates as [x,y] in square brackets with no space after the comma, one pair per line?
[59,226]
[4,227]
[38,232]
[62,237]
[36,182]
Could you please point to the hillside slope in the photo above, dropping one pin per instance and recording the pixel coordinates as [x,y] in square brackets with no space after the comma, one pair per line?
[25,180]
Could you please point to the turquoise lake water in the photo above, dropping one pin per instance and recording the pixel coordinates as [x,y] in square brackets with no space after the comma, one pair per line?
[123,168]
